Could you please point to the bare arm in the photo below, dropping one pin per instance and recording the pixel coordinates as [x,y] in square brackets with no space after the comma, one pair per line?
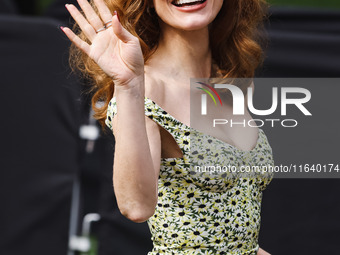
[137,154]
[137,157]
[262,252]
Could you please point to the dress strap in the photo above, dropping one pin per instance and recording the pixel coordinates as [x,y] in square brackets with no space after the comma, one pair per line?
[179,131]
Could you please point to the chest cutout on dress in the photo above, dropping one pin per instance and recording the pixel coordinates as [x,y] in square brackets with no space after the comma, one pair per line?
[170,148]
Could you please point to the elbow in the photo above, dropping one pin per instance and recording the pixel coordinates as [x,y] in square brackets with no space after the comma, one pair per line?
[138,214]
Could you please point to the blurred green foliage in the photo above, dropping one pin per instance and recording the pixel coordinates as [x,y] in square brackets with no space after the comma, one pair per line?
[94,247]
[41,5]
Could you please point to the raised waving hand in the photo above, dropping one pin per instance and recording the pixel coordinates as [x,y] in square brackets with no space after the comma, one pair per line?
[112,47]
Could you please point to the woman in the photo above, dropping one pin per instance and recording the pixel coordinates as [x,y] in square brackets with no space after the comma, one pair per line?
[146,53]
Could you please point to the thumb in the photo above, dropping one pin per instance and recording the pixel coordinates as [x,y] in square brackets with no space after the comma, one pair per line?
[119,30]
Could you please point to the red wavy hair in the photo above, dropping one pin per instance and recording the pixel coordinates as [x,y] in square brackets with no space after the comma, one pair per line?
[234,42]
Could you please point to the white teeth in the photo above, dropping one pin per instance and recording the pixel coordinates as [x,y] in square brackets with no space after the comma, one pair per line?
[178,2]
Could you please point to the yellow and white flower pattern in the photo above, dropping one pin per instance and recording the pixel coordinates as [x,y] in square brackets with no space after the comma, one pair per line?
[201,214]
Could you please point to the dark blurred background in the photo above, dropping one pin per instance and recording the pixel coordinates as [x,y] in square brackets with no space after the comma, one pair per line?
[56,192]
[38,7]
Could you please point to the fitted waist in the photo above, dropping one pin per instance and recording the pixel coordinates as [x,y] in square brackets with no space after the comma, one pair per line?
[226,249]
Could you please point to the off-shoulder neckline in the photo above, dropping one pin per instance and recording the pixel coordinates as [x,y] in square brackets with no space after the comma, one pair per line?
[165,112]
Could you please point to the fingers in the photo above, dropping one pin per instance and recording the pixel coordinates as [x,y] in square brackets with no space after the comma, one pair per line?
[81,21]
[76,40]
[90,14]
[120,31]
[92,24]
[104,11]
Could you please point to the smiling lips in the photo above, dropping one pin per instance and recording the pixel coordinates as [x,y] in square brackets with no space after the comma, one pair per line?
[189,5]
[182,3]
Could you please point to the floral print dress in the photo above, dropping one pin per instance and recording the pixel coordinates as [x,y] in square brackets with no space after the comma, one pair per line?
[204,213]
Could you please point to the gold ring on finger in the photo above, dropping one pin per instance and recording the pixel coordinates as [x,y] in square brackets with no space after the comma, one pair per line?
[101,29]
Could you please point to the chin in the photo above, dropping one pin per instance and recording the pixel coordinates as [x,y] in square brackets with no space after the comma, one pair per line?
[192,21]
[193,25]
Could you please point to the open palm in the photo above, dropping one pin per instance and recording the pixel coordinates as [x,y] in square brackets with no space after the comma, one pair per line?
[112,47]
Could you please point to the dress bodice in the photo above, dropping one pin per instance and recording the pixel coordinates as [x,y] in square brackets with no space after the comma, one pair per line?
[205,212]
